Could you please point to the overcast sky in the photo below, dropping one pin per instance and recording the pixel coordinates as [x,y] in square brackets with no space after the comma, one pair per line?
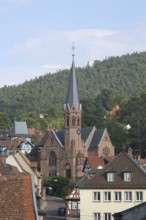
[36,35]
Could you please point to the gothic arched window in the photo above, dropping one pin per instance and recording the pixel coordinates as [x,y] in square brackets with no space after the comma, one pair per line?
[68,170]
[52,159]
[78,121]
[67,121]
[73,120]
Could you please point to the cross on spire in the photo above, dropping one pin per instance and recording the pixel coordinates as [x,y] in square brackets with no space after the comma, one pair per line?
[73,48]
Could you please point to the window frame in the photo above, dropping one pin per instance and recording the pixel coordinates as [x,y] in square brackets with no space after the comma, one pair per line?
[127,176]
[97,216]
[111,177]
[139,196]
[117,196]
[107,216]
[74,205]
[107,196]
[96,196]
[129,198]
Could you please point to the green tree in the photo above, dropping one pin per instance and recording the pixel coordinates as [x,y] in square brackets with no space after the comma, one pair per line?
[4,121]
[59,184]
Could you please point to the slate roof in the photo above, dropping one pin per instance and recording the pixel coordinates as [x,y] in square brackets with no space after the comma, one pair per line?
[85,132]
[96,139]
[61,135]
[72,96]
[34,150]
[19,129]
[119,164]
[139,209]
[17,200]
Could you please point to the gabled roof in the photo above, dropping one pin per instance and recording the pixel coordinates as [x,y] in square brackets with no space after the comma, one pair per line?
[60,135]
[13,144]
[96,139]
[72,96]
[85,132]
[118,164]
[17,200]
[19,129]
[94,162]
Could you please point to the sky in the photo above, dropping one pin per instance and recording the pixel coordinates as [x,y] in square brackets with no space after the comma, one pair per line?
[36,36]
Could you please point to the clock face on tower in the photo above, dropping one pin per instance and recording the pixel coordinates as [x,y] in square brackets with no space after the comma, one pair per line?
[78,131]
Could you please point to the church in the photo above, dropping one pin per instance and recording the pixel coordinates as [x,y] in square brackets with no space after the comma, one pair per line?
[63,152]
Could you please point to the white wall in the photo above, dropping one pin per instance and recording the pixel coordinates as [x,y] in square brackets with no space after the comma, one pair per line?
[88,207]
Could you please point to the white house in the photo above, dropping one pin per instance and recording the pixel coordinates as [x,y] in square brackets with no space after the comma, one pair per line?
[120,185]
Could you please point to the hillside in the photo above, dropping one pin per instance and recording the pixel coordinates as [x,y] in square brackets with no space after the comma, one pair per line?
[124,76]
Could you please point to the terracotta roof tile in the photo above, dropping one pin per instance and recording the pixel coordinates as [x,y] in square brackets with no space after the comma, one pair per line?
[95,162]
[16,198]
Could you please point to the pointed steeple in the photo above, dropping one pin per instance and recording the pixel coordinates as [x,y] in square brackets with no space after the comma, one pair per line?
[72,96]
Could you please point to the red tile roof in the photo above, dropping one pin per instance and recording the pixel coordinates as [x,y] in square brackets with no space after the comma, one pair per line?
[95,162]
[16,198]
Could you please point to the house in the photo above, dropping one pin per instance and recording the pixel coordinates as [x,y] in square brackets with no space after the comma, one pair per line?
[120,185]
[91,165]
[17,170]
[18,200]
[20,161]
[63,152]
[20,144]
[73,199]
[137,212]
[20,129]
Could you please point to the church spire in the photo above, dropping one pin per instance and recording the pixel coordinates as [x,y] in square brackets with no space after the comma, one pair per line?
[72,96]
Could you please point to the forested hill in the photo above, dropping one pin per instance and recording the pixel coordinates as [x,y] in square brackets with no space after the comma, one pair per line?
[124,76]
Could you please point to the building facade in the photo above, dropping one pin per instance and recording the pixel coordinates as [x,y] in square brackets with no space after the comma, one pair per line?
[63,152]
[120,185]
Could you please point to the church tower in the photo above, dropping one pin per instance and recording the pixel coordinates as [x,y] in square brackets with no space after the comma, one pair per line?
[73,109]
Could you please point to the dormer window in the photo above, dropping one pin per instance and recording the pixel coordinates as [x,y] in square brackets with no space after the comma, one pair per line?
[110,177]
[127,174]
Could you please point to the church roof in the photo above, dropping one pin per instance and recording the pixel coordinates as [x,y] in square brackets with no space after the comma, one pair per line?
[72,96]
[96,139]
[85,132]
[61,135]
